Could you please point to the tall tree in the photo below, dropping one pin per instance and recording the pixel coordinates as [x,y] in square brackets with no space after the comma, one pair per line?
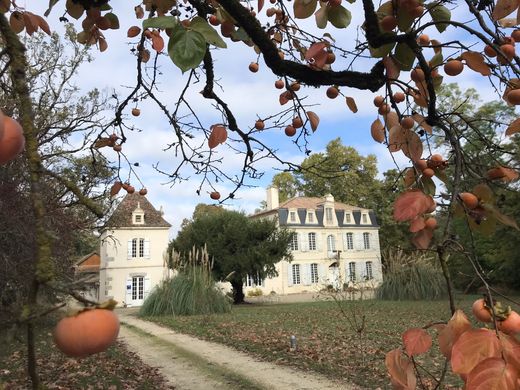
[238,246]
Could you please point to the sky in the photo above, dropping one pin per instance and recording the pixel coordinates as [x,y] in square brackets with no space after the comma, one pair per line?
[249,96]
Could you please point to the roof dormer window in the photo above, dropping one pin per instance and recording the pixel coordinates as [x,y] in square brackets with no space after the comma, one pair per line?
[138,215]
[348,218]
[364,218]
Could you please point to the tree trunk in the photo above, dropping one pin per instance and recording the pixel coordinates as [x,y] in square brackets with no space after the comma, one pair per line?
[238,292]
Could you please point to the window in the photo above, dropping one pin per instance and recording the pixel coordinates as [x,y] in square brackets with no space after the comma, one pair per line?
[292,216]
[347,218]
[314,273]
[328,215]
[364,218]
[311,217]
[296,274]
[370,274]
[366,240]
[137,287]
[294,242]
[138,247]
[138,218]
[352,271]
[250,281]
[331,243]
[350,241]
[312,241]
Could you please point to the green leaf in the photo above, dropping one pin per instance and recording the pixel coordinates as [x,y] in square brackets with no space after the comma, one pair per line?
[384,10]
[304,8]
[105,7]
[241,35]
[439,14]
[504,219]
[404,19]
[404,56]
[114,21]
[437,82]
[428,185]
[74,10]
[339,16]
[209,33]
[436,60]
[321,17]
[52,3]
[162,22]
[381,51]
[186,48]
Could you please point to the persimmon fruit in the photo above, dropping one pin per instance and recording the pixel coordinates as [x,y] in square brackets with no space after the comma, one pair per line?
[117,148]
[279,84]
[215,195]
[332,92]
[469,200]
[213,20]
[86,333]
[290,131]
[407,122]
[136,112]
[417,75]
[297,122]
[423,40]
[259,125]
[431,223]
[399,97]
[12,141]
[489,51]
[480,311]
[508,50]
[513,97]
[511,325]
[516,35]
[378,101]
[143,191]
[453,67]
[388,23]
[428,172]
[253,67]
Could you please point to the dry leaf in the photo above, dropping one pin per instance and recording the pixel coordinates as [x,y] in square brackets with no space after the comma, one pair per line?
[351,103]
[377,130]
[314,119]
[218,136]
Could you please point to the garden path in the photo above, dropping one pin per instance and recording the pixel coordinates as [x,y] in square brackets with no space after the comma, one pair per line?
[186,362]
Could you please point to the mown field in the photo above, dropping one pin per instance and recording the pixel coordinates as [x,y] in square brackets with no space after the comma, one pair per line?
[117,368]
[328,341]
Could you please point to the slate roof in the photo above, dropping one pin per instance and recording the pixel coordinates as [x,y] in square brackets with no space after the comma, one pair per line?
[122,215]
[302,202]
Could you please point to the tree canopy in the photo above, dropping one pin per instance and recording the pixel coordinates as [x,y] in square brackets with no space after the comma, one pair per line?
[237,246]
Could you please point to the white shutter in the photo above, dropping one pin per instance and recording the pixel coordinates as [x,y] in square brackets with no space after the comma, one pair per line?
[147,248]
[358,241]
[305,242]
[289,275]
[147,286]
[374,241]
[129,252]
[345,244]
[318,242]
[322,273]
[306,269]
[128,289]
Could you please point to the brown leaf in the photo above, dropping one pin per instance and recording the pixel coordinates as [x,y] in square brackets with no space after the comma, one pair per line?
[314,50]
[139,12]
[133,31]
[471,348]
[412,146]
[411,204]
[504,8]
[218,136]
[421,121]
[391,120]
[103,45]
[400,369]
[396,138]
[314,119]
[457,325]
[417,224]
[116,187]
[157,43]
[503,173]
[416,341]
[260,5]
[422,239]
[102,142]
[476,62]
[351,104]
[43,24]
[492,374]
[392,69]
[377,130]
[17,22]
[31,22]
[409,177]
[514,127]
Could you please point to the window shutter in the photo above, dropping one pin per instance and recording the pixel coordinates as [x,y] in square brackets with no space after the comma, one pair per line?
[129,252]
[147,286]
[358,241]
[147,248]
[318,242]
[322,273]
[374,241]
[289,275]
[129,288]
[306,274]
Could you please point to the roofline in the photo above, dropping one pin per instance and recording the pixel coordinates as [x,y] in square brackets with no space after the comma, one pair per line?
[86,257]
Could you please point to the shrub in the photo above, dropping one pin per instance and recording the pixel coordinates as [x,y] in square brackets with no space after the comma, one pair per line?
[411,277]
[257,292]
[192,291]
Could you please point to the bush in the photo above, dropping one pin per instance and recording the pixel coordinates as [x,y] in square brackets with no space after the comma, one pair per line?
[191,291]
[257,292]
[411,277]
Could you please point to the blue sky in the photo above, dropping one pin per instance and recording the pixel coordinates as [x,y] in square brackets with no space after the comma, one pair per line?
[248,95]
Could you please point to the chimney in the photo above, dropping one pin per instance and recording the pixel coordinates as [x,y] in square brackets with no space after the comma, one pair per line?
[272,198]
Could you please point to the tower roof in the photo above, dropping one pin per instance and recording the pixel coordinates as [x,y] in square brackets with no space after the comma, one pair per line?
[122,215]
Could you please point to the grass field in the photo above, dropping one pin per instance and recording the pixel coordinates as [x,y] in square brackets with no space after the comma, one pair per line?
[327,342]
[117,368]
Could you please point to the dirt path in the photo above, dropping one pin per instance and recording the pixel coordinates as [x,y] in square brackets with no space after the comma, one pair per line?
[190,363]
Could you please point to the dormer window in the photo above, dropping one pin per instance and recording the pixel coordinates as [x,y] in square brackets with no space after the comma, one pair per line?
[292,216]
[364,218]
[328,215]
[310,217]
[138,215]
[348,218]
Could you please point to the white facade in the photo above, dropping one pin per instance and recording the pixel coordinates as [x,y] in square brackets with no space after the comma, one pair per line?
[326,251]
[132,257]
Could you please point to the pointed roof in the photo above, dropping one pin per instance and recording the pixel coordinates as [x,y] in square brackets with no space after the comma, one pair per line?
[122,215]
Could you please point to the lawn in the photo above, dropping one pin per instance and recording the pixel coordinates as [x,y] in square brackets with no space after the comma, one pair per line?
[327,342]
[117,368]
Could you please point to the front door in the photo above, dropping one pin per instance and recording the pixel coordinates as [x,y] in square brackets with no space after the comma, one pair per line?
[334,278]
[137,290]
